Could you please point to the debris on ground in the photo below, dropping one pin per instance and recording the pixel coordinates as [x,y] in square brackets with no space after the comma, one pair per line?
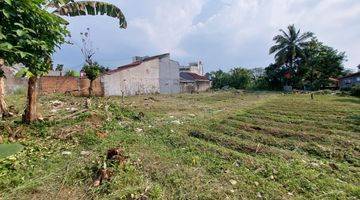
[116,154]
[196,134]
[66,153]
[72,109]
[85,153]
[13,111]
[74,115]
[103,175]
[138,130]
[333,166]
[233,182]
[139,116]
[57,104]
[88,103]
[152,99]
[14,134]
[53,111]
[102,135]
[177,122]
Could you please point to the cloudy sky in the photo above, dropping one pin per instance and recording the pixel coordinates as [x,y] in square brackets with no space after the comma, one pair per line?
[221,33]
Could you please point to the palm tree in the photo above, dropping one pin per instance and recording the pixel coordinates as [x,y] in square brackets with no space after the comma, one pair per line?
[289,46]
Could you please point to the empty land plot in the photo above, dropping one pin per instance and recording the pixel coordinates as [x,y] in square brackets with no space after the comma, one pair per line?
[203,146]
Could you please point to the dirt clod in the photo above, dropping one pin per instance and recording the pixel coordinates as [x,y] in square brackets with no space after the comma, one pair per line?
[116,154]
[333,166]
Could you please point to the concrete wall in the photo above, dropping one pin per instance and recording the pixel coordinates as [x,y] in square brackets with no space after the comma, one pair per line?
[141,79]
[169,76]
[198,86]
[203,86]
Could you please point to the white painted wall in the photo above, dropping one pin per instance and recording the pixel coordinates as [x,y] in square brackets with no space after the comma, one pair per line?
[141,79]
[153,76]
[170,76]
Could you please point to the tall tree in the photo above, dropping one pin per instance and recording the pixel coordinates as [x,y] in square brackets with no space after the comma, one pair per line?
[240,78]
[29,35]
[289,48]
[322,63]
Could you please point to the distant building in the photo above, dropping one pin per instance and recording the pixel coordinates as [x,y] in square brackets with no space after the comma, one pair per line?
[55,73]
[145,75]
[195,67]
[192,82]
[192,78]
[348,81]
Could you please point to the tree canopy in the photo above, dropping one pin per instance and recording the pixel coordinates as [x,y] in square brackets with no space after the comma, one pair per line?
[29,34]
[302,61]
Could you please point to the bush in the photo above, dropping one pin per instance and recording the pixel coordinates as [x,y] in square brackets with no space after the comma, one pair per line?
[355,91]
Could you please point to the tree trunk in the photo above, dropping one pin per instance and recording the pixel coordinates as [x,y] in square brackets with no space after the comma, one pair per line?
[30,114]
[3,107]
[91,88]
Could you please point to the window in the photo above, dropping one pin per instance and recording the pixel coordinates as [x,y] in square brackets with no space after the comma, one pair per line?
[357,79]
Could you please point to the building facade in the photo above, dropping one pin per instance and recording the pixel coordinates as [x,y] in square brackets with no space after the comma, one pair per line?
[192,82]
[194,67]
[348,81]
[145,75]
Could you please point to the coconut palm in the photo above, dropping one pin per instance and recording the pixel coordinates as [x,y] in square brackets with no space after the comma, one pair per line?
[289,46]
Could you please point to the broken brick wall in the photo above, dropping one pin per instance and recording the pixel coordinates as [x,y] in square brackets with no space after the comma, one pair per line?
[67,84]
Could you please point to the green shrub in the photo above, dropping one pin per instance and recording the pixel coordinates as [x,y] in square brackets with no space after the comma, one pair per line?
[355,91]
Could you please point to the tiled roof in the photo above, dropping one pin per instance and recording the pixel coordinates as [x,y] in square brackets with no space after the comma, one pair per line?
[350,75]
[137,63]
[188,76]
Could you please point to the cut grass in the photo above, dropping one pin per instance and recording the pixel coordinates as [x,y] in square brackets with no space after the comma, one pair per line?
[205,146]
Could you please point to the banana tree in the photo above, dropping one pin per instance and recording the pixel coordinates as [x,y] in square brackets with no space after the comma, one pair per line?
[73,8]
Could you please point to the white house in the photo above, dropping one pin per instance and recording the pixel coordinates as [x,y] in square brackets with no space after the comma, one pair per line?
[145,75]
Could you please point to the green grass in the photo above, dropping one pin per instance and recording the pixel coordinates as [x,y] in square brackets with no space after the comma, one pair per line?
[227,146]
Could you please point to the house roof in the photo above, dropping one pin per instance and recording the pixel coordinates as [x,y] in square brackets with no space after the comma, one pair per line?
[350,75]
[188,76]
[137,63]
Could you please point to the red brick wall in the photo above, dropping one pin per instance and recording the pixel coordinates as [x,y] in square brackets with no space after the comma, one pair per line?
[65,84]
[84,84]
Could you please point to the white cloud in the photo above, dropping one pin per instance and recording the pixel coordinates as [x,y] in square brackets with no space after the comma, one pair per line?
[222,33]
[168,23]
